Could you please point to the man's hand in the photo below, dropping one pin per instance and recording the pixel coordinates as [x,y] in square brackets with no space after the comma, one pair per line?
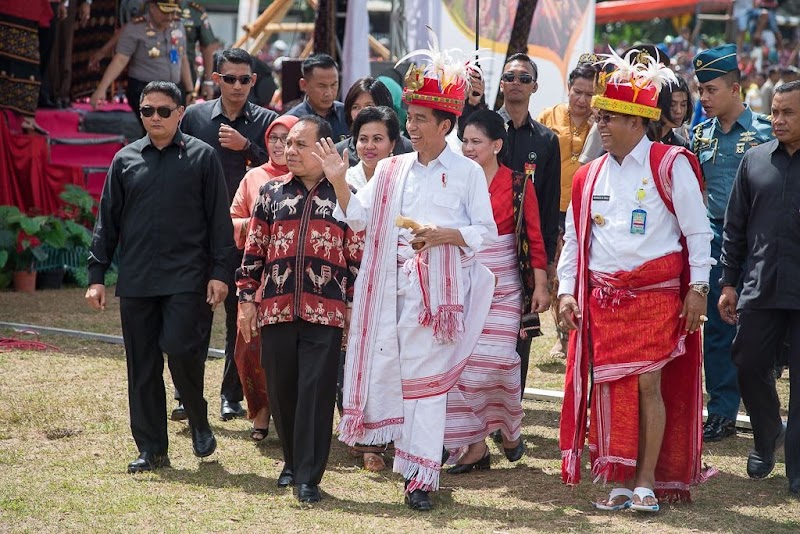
[97,98]
[333,165]
[84,13]
[432,236]
[96,296]
[190,97]
[476,88]
[231,139]
[216,293]
[248,320]
[694,306]
[568,313]
[727,305]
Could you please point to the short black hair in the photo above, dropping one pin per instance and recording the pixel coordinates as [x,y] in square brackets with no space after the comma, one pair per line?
[379,92]
[232,55]
[323,127]
[442,116]
[788,87]
[586,71]
[166,88]
[317,61]
[383,114]
[524,58]
[732,77]
[491,124]
[665,100]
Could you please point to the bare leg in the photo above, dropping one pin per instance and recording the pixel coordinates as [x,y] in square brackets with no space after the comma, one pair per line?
[261,420]
[652,419]
[475,452]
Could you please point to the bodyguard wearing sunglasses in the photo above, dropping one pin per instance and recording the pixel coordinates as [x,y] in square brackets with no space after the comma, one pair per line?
[235,128]
[532,149]
[164,208]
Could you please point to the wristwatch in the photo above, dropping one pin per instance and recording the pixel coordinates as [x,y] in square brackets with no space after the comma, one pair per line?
[701,287]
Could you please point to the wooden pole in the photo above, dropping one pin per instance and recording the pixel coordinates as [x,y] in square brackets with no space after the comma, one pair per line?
[268,15]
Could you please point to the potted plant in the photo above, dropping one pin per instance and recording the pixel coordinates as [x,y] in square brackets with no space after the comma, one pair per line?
[24,239]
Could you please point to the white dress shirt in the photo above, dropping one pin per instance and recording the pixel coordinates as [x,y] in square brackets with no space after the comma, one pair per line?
[613,247]
[356,176]
[450,192]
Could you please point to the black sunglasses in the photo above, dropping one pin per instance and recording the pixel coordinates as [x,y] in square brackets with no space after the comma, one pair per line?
[230,79]
[163,111]
[522,78]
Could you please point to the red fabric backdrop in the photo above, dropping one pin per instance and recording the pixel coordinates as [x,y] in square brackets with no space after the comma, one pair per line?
[27,178]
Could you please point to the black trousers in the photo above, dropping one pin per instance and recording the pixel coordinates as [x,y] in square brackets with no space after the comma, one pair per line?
[300,359]
[760,337]
[151,326]
[231,388]
[524,351]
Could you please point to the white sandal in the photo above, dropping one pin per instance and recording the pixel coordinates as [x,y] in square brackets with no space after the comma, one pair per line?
[642,493]
[616,492]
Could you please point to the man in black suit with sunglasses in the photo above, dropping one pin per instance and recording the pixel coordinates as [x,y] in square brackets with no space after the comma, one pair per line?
[165,211]
[235,128]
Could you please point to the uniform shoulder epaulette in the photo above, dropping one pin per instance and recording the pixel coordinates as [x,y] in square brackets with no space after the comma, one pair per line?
[197,6]
[764,118]
[138,19]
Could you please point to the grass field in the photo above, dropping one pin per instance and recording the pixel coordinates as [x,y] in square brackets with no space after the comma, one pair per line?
[65,442]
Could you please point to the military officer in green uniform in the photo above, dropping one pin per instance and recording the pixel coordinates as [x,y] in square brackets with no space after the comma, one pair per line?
[720,143]
[199,34]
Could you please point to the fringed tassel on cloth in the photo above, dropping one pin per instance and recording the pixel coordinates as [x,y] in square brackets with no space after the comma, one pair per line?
[605,469]
[570,467]
[673,495]
[351,427]
[447,323]
[352,430]
[420,477]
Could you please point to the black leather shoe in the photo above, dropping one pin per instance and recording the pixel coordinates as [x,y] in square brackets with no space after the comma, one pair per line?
[481,465]
[717,427]
[419,500]
[179,413]
[515,453]
[147,461]
[203,442]
[761,465]
[286,478]
[230,410]
[497,436]
[794,486]
[308,493]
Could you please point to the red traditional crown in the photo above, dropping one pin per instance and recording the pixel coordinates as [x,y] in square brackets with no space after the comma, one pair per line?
[633,86]
[442,83]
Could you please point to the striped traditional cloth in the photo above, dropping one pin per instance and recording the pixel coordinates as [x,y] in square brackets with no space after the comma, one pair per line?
[487,395]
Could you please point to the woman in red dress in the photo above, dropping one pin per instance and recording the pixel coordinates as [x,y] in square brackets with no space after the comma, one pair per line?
[487,397]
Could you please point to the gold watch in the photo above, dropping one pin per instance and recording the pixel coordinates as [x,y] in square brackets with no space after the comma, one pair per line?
[701,287]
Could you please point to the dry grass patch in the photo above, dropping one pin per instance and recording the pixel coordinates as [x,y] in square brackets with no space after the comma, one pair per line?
[65,442]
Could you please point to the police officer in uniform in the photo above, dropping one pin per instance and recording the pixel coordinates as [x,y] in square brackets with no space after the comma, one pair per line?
[153,47]
[720,143]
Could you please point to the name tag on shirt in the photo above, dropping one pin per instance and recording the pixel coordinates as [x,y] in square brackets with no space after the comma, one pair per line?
[602,198]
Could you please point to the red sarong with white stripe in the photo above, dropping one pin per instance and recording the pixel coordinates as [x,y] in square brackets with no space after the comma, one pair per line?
[631,326]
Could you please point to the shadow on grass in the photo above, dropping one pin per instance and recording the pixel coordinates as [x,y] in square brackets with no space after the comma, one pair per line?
[212,474]
[552,365]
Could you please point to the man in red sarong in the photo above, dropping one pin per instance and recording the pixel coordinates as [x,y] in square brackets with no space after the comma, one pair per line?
[633,282]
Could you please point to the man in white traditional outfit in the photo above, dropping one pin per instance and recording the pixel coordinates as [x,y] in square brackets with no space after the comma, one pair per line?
[633,280]
[420,299]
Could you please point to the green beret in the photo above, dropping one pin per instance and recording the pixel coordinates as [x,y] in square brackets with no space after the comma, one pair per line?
[715,62]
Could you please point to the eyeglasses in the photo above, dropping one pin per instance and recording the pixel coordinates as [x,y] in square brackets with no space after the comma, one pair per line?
[273,139]
[163,111]
[524,79]
[605,118]
[230,79]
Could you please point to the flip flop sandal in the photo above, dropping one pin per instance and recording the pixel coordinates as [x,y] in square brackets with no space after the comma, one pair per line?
[643,492]
[616,492]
